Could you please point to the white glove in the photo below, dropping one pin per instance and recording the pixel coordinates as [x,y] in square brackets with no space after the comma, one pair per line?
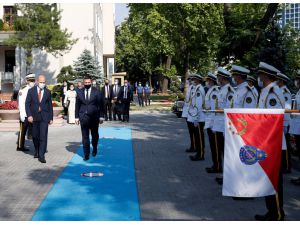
[101,120]
[22,118]
[196,124]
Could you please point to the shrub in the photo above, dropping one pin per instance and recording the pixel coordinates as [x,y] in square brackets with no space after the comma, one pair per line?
[1,24]
[6,26]
[9,105]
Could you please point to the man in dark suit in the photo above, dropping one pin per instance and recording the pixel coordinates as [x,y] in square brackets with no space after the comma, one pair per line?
[107,94]
[125,97]
[115,104]
[89,113]
[39,111]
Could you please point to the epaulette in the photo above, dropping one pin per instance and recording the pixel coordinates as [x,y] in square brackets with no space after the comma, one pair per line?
[286,90]
[249,88]
[231,89]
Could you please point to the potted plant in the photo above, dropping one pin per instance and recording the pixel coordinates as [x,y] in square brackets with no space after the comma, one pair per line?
[9,111]
[57,108]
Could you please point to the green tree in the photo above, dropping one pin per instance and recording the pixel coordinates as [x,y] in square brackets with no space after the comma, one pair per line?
[38,27]
[87,65]
[158,36]
[66,73]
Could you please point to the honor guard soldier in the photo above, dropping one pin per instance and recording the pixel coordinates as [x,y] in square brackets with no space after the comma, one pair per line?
[210,104]
[196,116]
[251,81]
[271,97]
[140,93]
[147,92]
[295,121]
[286,155]
[24,124]
[244,96]
[224,100]
[185,109]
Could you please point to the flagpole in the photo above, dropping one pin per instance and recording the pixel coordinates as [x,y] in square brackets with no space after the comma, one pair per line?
[296,111]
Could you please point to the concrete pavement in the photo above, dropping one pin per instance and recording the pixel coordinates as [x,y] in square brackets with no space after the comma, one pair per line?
[170,186]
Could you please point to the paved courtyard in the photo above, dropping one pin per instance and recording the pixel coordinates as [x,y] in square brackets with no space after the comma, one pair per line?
[170,186]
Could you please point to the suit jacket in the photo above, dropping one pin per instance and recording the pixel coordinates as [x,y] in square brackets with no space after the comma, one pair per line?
[62,91]
[129,96]
[110,92]
[91,109]
[118,91]
[32,105]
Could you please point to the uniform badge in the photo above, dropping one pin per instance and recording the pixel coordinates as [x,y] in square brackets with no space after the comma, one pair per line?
[272,102]
[249,100]
[250,155]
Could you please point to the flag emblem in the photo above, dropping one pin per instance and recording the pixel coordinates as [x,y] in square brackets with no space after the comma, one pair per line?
[250,155]
[252,151]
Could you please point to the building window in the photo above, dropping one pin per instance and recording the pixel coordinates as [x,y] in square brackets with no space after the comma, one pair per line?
[9,14]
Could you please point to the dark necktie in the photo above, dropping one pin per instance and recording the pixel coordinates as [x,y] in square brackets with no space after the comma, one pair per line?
[86,94]
[40,98]
[125,92]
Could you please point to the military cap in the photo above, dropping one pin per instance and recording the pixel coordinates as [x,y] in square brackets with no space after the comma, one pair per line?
[239,70]
[268,69]
[251,78]
[283,77]
[223,72]
[211,76]
[30,76]
[197,76]
[190,76]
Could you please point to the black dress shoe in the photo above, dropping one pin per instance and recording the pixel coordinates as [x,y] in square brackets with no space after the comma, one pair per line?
[190,150]
[296,181]
[94,153]
[268,217]
[36,155]
[242,198]
[42,160]
[196,158]
[213,170]
[262,217]
[23,149]
[286,171]
[86,158]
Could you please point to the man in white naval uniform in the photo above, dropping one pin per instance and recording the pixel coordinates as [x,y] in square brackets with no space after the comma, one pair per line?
[244,96]
[195,116]
[224,100]
[251,81]
[210,104]
[295,122]
[24,124]
[190,125]
[286,155]
[271,97]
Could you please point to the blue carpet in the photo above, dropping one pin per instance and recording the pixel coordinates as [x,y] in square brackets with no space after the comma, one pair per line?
[112,197]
